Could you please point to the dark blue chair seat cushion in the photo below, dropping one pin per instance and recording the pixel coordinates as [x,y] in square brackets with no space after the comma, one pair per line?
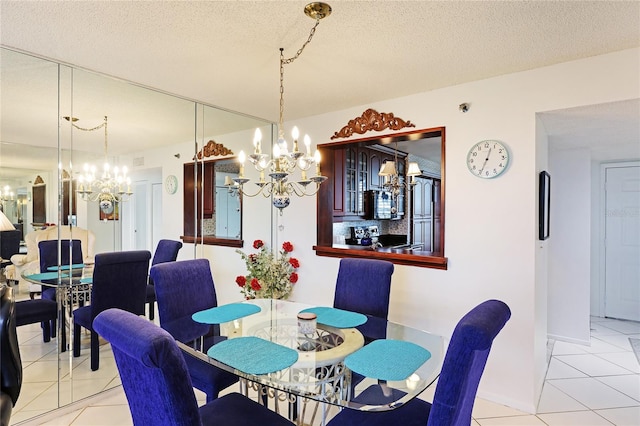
[224,412]
[36,310]
[414,413]
[82,316]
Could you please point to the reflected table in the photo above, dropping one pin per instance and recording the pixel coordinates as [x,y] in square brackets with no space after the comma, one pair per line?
[336,364]
[73,288]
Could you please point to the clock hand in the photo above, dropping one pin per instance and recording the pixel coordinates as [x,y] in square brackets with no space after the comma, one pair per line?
[485,161]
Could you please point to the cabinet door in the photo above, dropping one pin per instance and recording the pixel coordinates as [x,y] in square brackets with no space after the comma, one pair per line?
[363,179]
[350,182]
[339,156]
[375,181]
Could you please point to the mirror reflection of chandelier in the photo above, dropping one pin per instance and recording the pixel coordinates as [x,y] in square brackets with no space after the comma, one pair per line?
[392,181]
[6,194]
[283,162]
[112,187]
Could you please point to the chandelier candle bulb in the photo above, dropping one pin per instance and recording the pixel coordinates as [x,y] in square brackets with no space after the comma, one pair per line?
[307,144]
[241,159]
[257,141]
[317,158]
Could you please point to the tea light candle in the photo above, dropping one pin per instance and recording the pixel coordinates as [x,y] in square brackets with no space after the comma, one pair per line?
[307,322]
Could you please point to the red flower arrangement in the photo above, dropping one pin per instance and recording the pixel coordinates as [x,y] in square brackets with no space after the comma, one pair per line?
[269,275]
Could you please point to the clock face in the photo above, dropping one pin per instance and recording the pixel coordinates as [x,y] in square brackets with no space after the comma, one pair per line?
[487,159]
[171,184]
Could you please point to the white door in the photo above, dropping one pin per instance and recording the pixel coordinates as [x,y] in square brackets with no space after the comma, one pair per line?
[622,242]
[141,216]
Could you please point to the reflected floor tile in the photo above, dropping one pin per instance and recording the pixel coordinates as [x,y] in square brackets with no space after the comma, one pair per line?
[622,416]
[593,394]
[529,420]
[108,415]
[560,370]
[485,409]
[579,418]
[592,365]
[553,400]
[629,385]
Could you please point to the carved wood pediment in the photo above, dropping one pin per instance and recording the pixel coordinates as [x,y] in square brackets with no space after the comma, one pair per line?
[372,120]
[213,149]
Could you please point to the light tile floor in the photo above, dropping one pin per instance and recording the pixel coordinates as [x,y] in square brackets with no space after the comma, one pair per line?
[595,385]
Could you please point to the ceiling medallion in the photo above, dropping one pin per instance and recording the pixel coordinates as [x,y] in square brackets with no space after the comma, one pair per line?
[372,120]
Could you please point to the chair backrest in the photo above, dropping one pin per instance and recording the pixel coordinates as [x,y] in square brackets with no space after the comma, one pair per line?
[152,370]
[183,288]
[167,251]
[120,281]
[69,249]
[464,363]
[11,364]
[364,286]
[9,243]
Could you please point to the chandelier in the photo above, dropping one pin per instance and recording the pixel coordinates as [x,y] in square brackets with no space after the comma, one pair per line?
[283,163]
[392,181]
[6,194]
[109,188]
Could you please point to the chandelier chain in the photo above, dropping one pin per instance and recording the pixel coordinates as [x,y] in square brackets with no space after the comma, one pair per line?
[284,61]
[96,128]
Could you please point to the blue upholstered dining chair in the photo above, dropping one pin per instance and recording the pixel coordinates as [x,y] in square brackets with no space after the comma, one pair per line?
[155,379]
[183,288]
[457,385]
[48,256]
[364,286]
[119,281]
[167,251]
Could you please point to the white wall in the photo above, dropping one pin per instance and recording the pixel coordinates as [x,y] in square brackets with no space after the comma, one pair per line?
[570,245]
[491,225]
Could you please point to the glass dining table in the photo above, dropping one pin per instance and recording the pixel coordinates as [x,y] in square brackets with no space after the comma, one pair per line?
[300,353]
[73,288]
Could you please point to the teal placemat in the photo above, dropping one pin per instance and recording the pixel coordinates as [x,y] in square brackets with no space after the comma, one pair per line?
[387,359]
[253,355]
[45,276]
[87,280]
[337,318]
[225,313]
[66,267]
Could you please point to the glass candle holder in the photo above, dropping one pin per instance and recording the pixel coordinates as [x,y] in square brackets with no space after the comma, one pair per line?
[307,323]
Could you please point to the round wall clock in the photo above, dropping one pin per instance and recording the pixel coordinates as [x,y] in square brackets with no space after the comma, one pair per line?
[171,184]
[488,159]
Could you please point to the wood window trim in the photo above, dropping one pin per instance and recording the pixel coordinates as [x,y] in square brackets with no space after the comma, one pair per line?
[325,219]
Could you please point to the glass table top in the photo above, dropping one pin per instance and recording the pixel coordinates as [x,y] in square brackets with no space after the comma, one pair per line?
[319,372]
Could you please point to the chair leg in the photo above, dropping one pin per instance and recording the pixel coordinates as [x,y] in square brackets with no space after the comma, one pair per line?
[76,339]
[46,331]
[95,351]
[152,308]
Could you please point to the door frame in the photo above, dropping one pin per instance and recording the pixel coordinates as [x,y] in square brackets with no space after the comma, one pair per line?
[601,244]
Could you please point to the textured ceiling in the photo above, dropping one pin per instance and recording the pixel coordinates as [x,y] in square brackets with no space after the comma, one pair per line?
[225,53]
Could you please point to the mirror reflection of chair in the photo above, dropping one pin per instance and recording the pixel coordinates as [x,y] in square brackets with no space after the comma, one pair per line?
[167,251]
[38,310]
[70,252]
[10,362]
[119,281]
[457,385]
[156,382]
[182,289]
[9,245]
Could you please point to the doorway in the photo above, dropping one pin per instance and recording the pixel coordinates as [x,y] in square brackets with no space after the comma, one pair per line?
[622,240]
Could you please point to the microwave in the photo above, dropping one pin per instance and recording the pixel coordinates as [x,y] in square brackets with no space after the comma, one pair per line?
[379,205]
